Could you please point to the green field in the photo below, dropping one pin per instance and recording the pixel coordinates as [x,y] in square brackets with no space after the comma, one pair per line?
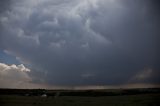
[125,100]
[103,97]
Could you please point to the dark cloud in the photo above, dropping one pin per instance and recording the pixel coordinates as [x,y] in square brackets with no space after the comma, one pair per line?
[83,42]
[4,6]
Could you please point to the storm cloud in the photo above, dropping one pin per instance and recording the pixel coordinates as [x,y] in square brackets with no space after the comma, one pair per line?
[84,42]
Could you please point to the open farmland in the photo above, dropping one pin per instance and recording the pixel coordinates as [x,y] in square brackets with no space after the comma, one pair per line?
[132,97]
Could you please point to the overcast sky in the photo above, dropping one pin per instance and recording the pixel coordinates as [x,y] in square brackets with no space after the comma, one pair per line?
[79,43]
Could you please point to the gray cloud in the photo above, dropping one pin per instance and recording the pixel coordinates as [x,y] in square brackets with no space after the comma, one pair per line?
[65,40]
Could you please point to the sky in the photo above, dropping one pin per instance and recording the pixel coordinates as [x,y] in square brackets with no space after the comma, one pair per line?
[79,43]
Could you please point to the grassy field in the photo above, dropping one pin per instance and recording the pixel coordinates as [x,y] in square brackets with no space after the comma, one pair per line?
[125,100]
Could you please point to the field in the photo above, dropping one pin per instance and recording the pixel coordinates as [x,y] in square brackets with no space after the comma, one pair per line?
[149,97]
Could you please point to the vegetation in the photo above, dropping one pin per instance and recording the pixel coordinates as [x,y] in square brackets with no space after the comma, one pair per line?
[119,97]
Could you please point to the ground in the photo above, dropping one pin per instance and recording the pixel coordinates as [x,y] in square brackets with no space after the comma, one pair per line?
[119,100]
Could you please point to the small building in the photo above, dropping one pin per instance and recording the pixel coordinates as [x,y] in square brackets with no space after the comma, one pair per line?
[44,95]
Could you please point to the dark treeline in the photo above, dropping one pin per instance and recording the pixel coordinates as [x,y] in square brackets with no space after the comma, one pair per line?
[35,92]
[105,92]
